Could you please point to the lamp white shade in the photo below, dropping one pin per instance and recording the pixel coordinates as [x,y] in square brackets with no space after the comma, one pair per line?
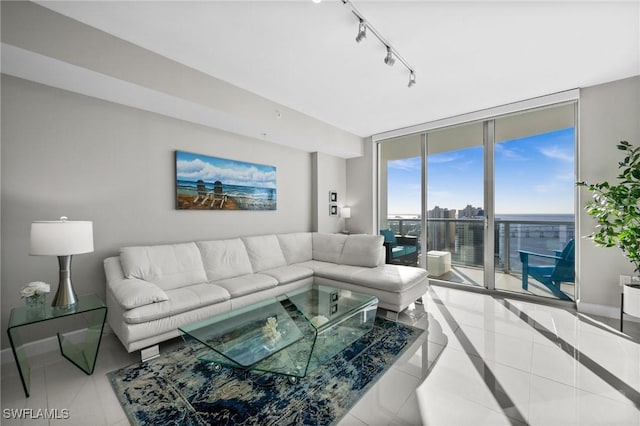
[61,238]
[345,212]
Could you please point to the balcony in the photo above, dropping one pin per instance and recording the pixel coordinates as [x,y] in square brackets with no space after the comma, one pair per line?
[464,239]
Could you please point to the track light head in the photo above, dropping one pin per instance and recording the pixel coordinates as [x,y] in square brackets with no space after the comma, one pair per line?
[362,31]
[389,58]
[412,79]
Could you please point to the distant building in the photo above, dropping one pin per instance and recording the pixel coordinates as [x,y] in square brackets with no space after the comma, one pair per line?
[470,212]
[441,234]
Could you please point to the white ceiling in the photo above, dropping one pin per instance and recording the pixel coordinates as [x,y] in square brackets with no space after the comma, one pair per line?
[467,55]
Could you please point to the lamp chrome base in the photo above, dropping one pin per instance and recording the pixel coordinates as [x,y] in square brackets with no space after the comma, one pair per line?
[65,295]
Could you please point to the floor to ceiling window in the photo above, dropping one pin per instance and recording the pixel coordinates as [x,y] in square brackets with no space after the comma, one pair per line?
[489,203]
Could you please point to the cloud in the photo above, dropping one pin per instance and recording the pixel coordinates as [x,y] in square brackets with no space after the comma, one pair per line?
[556,153]
[507,153]
[443,158]
[407,164]
[233,174]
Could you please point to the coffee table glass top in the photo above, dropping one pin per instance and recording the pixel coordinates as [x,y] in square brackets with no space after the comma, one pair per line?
[245,336]
[290,335]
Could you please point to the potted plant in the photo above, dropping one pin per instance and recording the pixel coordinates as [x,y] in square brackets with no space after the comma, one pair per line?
[616,209]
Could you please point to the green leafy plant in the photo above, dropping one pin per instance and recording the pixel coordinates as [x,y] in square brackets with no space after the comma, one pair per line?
[615,207]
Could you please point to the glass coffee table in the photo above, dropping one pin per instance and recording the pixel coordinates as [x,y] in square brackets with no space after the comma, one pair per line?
[290,335]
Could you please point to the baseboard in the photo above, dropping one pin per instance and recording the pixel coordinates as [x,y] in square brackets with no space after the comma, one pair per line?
[46,345]
[604,311]
[595,309]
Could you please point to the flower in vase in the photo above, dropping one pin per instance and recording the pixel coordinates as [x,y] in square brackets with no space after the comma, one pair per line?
[35,288]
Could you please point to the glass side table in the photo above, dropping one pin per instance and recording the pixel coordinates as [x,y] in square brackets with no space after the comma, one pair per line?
[90,307]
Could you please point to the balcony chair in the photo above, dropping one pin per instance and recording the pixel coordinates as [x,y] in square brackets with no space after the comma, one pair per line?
[550,275]
[400,249]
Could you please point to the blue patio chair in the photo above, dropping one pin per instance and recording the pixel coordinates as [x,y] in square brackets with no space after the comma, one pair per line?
[562,271]
[400,249]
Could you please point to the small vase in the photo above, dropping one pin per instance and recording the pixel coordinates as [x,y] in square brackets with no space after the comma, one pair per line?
[35,304]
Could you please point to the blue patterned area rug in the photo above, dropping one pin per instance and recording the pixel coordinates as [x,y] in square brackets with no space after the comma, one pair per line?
[176,388]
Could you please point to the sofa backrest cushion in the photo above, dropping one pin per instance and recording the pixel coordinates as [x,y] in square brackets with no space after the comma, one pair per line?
[296,247]
[362,250]
[168,266]
[224,259]
[264,252]
[328,247]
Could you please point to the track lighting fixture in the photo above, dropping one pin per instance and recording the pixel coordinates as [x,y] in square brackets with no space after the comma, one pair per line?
[392,54]
[412,78]
[362,31]
[389,58]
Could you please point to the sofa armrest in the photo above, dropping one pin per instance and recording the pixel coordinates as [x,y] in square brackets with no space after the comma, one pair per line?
[130,292]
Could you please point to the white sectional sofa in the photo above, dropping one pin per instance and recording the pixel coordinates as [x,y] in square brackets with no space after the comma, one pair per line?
[153,290]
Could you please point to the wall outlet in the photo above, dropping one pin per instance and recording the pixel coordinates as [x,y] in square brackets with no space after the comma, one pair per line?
[625,279]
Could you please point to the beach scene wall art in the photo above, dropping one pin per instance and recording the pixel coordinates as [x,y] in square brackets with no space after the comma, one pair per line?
[212,183]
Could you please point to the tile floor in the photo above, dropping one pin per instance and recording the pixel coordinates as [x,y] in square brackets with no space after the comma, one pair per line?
[484,361]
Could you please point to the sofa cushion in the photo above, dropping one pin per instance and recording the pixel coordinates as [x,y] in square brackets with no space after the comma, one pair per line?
[339,272]
[180,300]
[296,247]
[252,283]
[132,292]
[289,274]
[392,278]
[224,259]
[362,250]
[168,266]
[264,252]
[328,247]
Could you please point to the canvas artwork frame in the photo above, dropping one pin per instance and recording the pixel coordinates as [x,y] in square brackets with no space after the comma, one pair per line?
[213,183]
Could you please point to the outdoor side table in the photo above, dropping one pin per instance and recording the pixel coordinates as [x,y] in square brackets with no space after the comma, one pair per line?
[90,307]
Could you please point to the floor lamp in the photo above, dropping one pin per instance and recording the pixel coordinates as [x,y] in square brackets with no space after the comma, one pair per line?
[62,238]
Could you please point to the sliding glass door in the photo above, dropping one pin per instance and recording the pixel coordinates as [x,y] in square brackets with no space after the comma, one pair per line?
[455,204]
[534,202]
[487,204]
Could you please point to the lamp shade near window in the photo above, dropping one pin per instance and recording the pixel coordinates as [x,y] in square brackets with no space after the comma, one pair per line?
[63,239]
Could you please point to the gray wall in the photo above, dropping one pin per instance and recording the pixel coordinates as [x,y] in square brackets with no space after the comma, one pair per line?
[329,174]
[68,154]
[362,181]
[608,114]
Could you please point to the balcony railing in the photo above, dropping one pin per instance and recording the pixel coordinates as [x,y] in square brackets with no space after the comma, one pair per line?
[464,238]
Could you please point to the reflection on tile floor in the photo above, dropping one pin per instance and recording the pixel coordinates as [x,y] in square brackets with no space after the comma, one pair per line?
[484,361]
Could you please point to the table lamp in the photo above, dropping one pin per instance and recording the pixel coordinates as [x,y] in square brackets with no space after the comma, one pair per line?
[62,238]
[345,212]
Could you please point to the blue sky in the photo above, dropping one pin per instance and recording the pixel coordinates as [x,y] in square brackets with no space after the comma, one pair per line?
[533,175]
[209,169]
